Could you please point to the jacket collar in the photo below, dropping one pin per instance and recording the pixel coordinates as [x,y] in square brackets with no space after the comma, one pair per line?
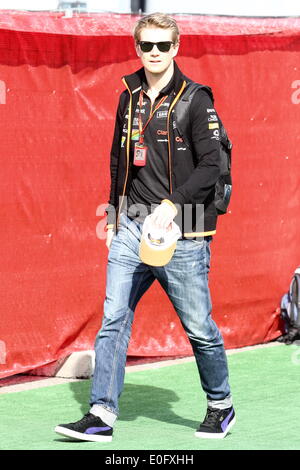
[134,81]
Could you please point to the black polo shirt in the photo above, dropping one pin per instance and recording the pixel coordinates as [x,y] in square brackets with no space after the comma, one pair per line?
[150,183]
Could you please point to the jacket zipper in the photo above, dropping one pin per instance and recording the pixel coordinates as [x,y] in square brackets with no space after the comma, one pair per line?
[168,129]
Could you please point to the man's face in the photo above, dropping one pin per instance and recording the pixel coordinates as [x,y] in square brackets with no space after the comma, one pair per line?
[156,61]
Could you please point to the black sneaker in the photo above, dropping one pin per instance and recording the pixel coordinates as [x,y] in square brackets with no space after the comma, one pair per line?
[216,423]
[89,428]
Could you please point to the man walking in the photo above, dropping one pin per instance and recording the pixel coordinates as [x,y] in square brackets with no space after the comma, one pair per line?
[158,170]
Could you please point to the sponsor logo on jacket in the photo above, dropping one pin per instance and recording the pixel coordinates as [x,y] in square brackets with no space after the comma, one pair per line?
[161,114]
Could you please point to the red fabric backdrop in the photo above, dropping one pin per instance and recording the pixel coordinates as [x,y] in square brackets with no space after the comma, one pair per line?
[59,85]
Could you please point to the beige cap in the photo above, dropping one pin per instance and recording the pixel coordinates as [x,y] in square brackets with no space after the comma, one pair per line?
[157,246]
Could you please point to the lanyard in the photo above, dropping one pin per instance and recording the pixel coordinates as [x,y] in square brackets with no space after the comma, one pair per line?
[141,128]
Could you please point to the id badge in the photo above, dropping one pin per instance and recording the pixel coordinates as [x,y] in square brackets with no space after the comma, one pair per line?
[140,154]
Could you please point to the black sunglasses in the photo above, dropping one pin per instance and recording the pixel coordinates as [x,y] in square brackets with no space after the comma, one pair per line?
[163,46]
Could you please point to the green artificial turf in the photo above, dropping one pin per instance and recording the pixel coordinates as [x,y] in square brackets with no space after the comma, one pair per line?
[161,408]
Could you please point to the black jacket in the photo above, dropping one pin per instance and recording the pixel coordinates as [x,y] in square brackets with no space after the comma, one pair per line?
[192,178]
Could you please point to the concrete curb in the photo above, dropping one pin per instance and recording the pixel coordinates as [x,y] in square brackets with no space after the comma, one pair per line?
[78,365]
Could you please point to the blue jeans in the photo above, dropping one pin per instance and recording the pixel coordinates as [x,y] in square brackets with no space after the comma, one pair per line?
[185,280]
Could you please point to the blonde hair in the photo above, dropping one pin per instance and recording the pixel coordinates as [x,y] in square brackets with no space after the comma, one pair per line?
[158,20]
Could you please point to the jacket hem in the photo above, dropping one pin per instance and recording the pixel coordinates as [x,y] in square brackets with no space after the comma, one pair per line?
[199,234]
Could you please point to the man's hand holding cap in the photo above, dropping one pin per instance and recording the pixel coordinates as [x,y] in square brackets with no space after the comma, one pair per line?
[164,214]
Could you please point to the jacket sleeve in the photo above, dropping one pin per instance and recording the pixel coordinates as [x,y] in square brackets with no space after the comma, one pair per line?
[114,159]
[205,132]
